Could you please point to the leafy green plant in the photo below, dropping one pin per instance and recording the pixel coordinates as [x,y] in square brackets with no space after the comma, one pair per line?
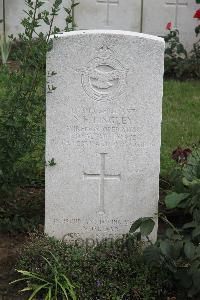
[179,63]
[22,213]
[52,288]
[177,251]
[111,270]
[70,20]
[175,54]
[186,188]
[22,137]
[22,121]
[145,227]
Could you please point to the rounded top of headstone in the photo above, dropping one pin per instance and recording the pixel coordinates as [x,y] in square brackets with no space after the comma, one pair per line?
[109,32]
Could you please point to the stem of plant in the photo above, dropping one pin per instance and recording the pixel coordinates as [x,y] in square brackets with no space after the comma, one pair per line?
[4,21]
[73,17]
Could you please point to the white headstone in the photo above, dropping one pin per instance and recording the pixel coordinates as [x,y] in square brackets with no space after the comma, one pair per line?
[103,131]
[180,12]
[109,14]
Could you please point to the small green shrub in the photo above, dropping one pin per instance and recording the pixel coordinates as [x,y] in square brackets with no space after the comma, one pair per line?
[177,251]
[22,213]
[56,287]
[109,271]
[22,118]
[22,105]
[179,63]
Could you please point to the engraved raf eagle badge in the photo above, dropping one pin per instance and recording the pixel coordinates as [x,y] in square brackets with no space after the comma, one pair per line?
[104,77]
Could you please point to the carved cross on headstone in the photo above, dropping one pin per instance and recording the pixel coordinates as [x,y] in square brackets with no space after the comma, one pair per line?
[176,4]
[108,3]
[102,177]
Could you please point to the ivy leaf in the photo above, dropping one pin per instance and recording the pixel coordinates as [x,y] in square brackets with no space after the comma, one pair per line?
[174,199]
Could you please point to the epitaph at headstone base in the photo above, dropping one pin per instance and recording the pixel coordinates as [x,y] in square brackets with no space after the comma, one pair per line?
[103,131]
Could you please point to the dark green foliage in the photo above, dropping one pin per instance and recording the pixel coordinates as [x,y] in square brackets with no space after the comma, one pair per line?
[177,251]
[57,286]
[22,121]
[145,225]
[186,187]
[22,213]
[21,135]
[70,22]
[112,270]
[180,64]
[22,105]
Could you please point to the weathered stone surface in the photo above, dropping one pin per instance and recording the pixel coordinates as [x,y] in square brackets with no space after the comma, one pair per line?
[103,131]
[109,14]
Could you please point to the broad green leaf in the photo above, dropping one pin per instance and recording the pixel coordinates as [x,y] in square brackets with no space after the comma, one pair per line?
[166,248]
[152,255]
[135,225]
[147,227]
[189,250]
[173,199]
[186,182]
[189,225]
[169,232]
[177,249]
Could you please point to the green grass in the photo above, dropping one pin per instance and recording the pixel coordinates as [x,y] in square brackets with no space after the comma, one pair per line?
[181,119]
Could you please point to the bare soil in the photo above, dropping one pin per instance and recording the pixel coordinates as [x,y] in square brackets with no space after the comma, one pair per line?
[9,249]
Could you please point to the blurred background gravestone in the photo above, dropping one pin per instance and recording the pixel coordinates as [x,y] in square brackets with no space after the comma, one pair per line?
[148,16]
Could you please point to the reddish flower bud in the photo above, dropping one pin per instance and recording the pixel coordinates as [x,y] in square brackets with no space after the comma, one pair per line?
[180,155]
[169,26]
[197,14]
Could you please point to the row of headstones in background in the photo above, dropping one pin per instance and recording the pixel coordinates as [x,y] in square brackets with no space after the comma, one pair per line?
[123,15]
[126,15]
[103,132]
